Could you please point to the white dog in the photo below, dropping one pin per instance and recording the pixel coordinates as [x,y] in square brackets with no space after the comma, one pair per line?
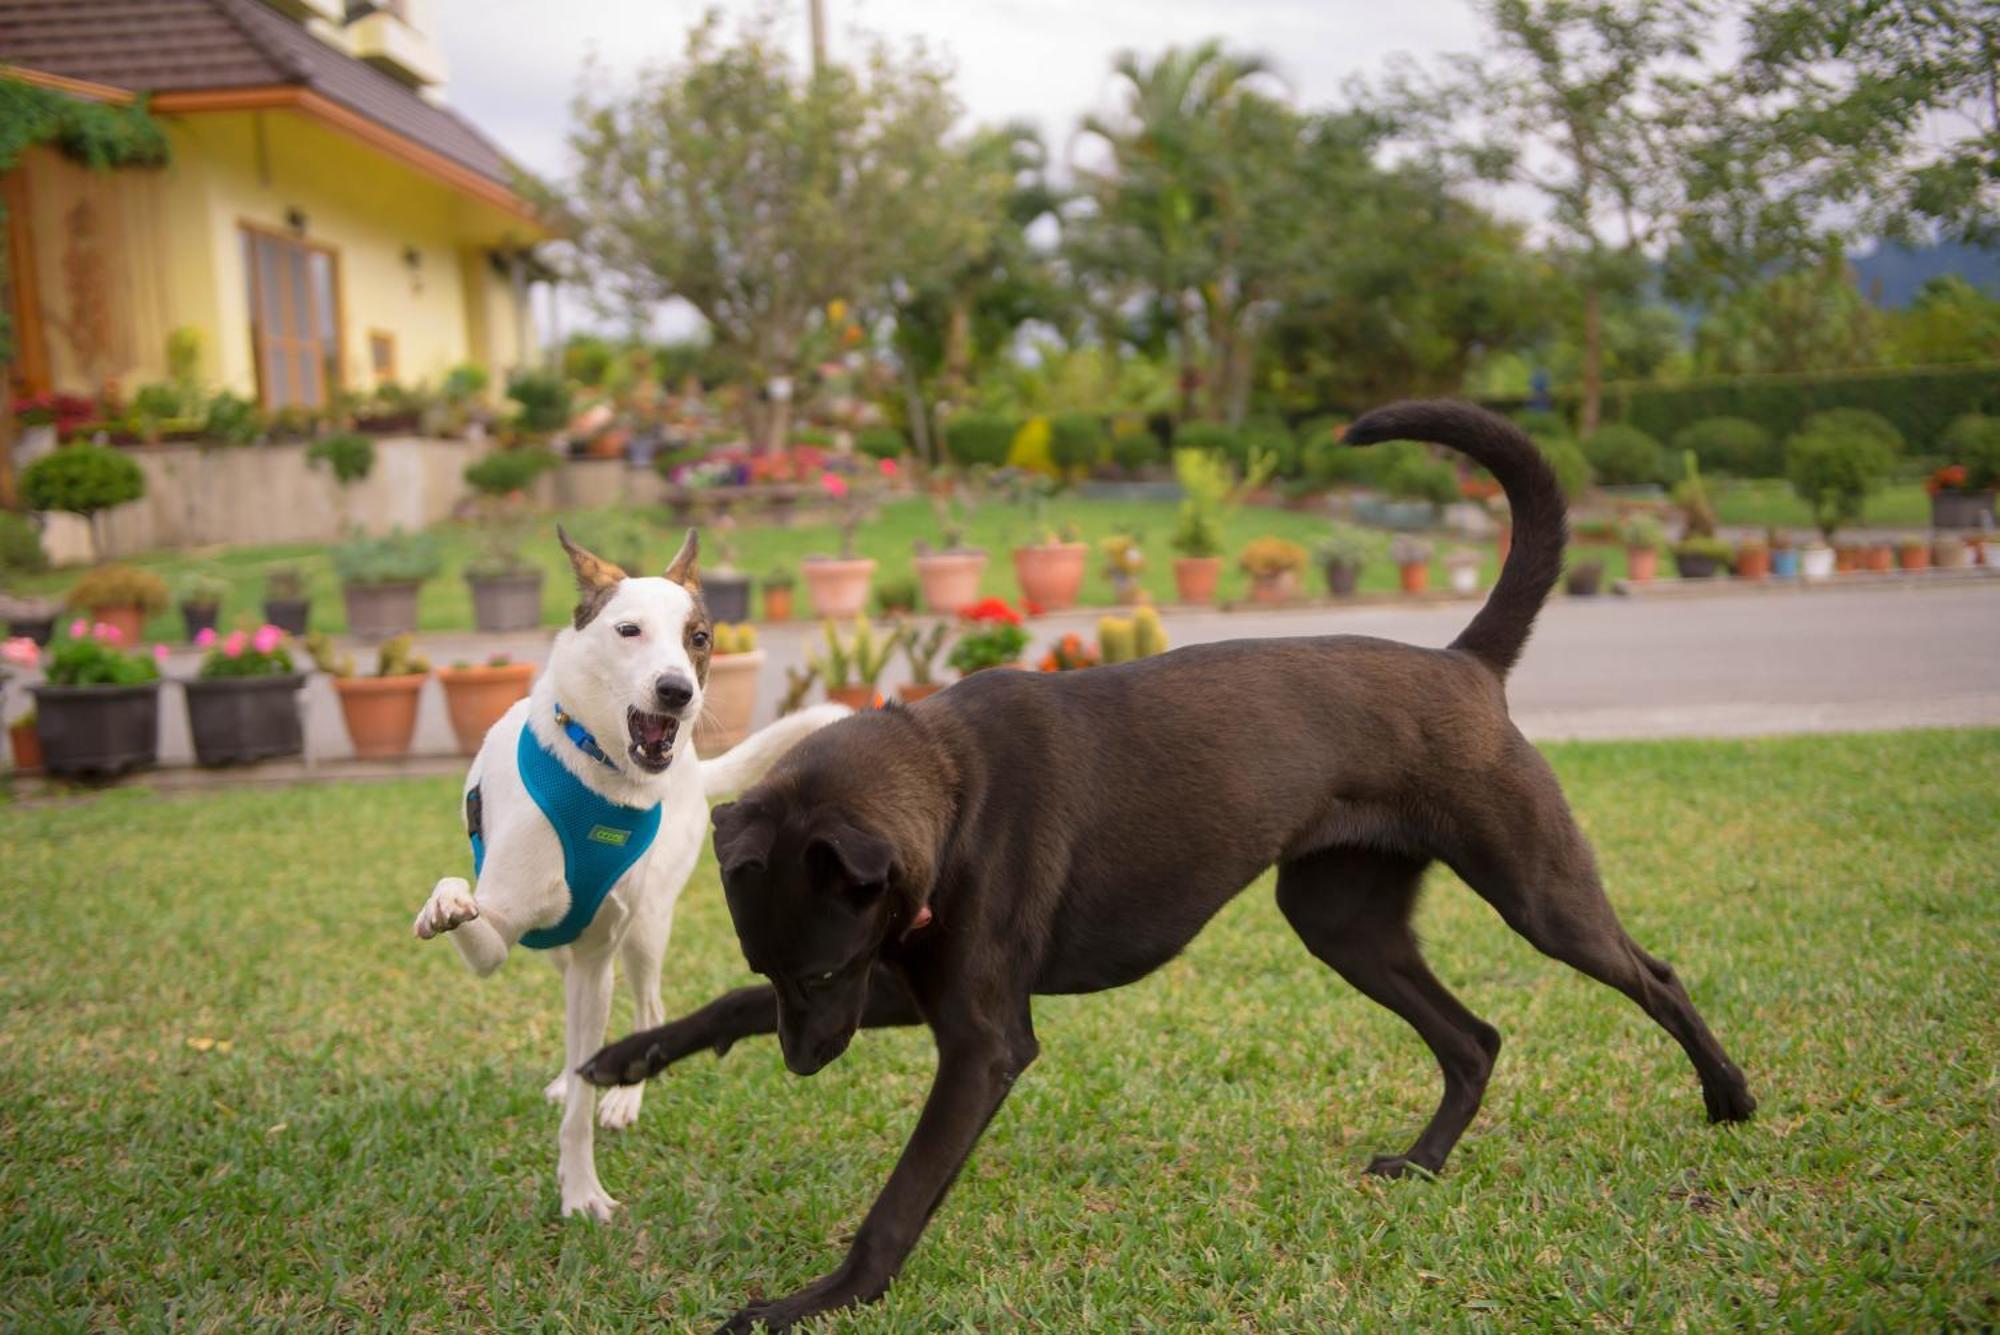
[588,807]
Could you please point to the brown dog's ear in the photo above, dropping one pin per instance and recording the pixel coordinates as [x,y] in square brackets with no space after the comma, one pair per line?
[681,570]
[864,859]
[742,837]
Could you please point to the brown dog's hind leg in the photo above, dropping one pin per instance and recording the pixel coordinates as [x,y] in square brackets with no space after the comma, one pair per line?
[1543,880]
[1352,909]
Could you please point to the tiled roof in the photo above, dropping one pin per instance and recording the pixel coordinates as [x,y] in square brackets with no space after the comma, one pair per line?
[158,46]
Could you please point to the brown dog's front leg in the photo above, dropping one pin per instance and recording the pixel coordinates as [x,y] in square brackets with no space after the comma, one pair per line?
[973,1077]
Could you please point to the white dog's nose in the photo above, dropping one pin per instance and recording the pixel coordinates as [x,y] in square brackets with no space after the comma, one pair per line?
[673,690]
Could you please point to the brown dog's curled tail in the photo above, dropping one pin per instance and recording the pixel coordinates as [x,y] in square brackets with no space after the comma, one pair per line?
[1541,524]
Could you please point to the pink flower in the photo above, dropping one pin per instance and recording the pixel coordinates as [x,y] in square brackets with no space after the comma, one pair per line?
[233,646]
[834,485]
[204,637]
[266,639]
[79,628]
[160,654]
[107,632]
[20,651]
[888,468]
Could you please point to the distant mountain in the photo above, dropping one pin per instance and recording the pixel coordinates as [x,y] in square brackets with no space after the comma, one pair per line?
[1892,275]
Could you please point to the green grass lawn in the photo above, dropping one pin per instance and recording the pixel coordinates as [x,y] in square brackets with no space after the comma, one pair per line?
[446,604]
[1771,503]
[234,1092]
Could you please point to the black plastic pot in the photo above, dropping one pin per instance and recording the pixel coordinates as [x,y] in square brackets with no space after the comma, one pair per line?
[1585,580]
[1962,509]
[198,618]
[98,731]
[288,614]
[727,595]
[507,602]
[381,611]
[239,719]
[1696,566]
[1342,577]
[39,629]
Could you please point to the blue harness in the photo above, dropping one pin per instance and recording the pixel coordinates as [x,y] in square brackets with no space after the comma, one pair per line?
[600,838]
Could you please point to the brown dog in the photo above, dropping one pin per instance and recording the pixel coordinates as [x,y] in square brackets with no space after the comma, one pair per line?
[1022,834]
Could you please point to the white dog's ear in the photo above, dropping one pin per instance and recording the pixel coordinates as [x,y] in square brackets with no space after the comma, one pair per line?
[682,570]
[595,578]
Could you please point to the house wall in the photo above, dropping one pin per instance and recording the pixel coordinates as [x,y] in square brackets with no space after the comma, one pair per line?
[123,258]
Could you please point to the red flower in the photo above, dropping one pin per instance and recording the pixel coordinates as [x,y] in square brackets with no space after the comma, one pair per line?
[992,609]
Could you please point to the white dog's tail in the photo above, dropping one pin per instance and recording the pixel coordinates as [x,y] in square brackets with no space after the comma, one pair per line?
[744,763]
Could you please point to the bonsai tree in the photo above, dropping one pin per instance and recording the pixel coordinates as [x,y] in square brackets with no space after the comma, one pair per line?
[1835,466]
[84,480]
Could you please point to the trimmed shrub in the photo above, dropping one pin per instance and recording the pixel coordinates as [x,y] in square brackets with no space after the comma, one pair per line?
[1567,461]
[1834,466]
[1857,423]
[978,438]
[1076,441]
[1409,469]
[1623,455]
[1135,448]
[1210,438]
[1735,446]
[880,442]
[504,472]
[1029,450]
[82,479]
[349,454]
[1973,440]
[20,545]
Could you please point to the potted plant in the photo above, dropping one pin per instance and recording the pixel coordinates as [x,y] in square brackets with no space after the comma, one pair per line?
[837,586]
[778,590]
[379,579]
[1069,654]
[991,636]
[730,696]
[506,588]
[920,651]
[1950,553]
[1461,570]
[1412,556]
[200,594]
[1273,565]
[477,695]
[1701,557]
[896,595]
[20,652]
[1784,555]
[1913,554]
[1124,562]
[85,480]
[851,666]
[1753,559]
[381,710]
[349,456]
[1835,463]
[287,605]
[1643,537]
[243,703]
[1122,639]
[950,574]
[1846,557]
[1962,491]
[1584,579]
[1210,491]
[1344,551]
[120,596]
[1051,571]
[30,618]
[1878,557]
[1816,560]
[97,712]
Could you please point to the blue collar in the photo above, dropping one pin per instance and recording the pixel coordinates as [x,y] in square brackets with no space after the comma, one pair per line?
[580,736]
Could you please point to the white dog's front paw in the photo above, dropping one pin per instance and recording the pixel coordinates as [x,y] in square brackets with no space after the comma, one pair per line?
[449,906]
[557,1089]
[618,1107]
[587,1198]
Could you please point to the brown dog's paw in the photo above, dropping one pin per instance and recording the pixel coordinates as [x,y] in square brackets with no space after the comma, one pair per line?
[1396,1165]
[1730,1102]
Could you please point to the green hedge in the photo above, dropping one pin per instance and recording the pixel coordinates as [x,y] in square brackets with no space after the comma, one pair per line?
[1919,403]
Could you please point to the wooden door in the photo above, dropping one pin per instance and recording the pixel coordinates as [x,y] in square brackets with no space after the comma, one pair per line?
[294,318]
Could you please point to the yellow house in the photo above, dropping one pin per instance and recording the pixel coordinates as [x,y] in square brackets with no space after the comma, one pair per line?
[326,221]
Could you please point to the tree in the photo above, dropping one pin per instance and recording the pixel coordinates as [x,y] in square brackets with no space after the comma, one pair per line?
[1585,102]
[768,200]
[1811,319]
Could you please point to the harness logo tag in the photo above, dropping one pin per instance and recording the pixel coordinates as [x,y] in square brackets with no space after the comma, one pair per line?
[605,834]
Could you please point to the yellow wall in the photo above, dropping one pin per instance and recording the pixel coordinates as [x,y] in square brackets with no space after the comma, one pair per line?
[167,251]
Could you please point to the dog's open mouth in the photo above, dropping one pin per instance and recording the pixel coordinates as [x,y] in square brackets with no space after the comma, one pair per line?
[653,736]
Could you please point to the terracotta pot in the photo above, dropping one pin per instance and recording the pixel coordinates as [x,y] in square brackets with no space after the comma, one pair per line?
[506,602]
[836,588]
[27,744]
[381,611]
[1051,573]
[1415,577]
[1642,564]
[777,602]
[98,730]
[912,691]
[129,622]
[1279,587]
[1913,556]
[854,697]
[476,697]
[950,580]
[381,712]
[234,720]
[728,700]
[1878,557]
[1753,563]
[1846,560]
[1195,578]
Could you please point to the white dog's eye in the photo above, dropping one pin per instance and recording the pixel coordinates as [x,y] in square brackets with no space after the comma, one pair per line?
[629,629]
